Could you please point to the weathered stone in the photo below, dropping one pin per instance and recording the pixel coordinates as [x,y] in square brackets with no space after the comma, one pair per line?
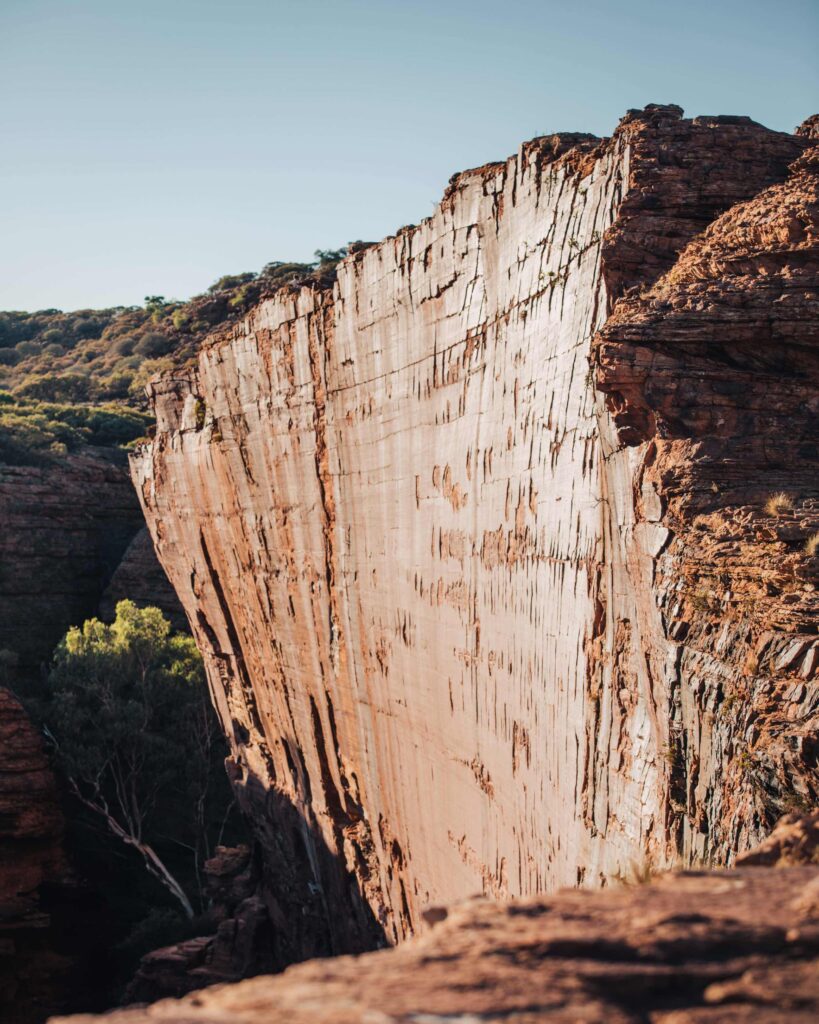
[32,974]
[241,943]
[434,560]
[795,840]
[740,307]
[690,948]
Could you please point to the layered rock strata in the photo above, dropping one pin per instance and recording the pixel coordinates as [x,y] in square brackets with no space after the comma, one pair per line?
[66,528]
[712,379]
[32,973]
[423,536]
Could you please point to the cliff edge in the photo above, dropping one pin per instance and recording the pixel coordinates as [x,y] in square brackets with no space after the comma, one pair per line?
[474,542]
[694,947]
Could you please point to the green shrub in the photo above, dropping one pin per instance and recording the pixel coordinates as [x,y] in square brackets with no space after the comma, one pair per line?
[153,344]
[34,433]
[55,387]
[231,281]
[134,732]
[86,357]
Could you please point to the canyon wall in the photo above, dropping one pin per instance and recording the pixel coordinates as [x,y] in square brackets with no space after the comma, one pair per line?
[73,542]
[68,526]
[444,561]
[33,972]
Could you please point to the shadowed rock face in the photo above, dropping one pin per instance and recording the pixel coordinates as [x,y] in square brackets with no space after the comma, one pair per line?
[67,527]
[690,948]
[32,974]
[424,537]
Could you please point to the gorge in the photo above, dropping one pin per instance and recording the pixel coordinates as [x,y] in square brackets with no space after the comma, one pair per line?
[475,541]
[500,542]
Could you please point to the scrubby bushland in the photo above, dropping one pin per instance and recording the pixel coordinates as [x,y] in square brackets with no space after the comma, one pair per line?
[36,432]
[71,379]
[97,356]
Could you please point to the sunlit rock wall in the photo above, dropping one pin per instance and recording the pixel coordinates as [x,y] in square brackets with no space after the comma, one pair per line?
[413,547]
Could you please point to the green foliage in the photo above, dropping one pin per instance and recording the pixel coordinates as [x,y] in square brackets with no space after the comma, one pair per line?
[128,709]
[330,257]
[34,433]
[231,281]
[153,344]
[55,387]
[98,357]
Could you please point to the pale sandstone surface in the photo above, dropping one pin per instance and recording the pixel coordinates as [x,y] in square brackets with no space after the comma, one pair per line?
[428,565]
[690,948]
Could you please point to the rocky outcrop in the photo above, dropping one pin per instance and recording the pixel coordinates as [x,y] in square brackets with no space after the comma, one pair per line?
[240,943]
[711,377]
[32,862]
[444,562]
[690,948]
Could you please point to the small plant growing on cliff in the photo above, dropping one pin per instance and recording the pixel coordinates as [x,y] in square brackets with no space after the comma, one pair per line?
[779,503]
[704,601]
[812,545]
[134,732]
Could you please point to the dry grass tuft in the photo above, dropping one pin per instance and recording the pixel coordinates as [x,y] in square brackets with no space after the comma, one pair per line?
[812,544]
[779,503]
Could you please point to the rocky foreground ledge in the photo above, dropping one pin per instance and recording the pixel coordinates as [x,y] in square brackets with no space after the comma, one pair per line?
[688,948]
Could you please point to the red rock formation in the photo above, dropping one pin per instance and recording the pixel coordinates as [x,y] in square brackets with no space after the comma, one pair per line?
[712,378]
[691,948]
[432,558]
[239,947]
[31,857]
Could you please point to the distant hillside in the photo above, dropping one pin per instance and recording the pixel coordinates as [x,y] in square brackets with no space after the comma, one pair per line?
[70,379]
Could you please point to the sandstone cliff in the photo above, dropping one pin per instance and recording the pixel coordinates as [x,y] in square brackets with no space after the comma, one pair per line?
[477,557]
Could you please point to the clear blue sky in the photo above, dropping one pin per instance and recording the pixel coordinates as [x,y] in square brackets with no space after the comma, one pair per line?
[150,146]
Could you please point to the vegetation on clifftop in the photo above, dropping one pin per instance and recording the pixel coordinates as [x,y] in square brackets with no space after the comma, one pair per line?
[34,432]
[71,379]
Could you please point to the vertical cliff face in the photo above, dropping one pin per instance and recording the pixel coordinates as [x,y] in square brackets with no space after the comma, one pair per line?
[32,974]
[424,558]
